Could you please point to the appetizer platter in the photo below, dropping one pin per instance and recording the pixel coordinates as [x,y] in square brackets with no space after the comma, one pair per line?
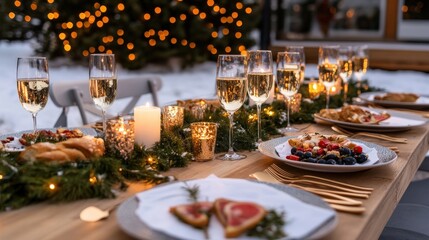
[370,119]
[327,153]
[398,100]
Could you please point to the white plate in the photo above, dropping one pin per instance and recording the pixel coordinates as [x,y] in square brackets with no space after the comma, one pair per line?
[421,103]
[132,225]
[398,121]
[16,146]
[385,157]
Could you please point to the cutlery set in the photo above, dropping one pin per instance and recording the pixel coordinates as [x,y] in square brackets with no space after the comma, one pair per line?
[337,194]
[367,134]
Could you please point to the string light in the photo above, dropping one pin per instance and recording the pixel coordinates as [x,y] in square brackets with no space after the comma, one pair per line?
[183,17]
[33,6]
[52,186]
[131,56]
[248,10]
[121,7]
[1,176]
[93,179]
[146,16]
[172,19]
[103,8]
[239,5]
[101,48]
[130,46]
[12,15]
[120,41]
[157,10]
[85,53]
[17,3]
[173,40]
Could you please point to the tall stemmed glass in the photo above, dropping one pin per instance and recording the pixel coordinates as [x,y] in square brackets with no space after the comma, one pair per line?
[288,79]
[300,50]
[360,65]
[260,79]
[32,77]
[346,68]
[231,91]
[328,68]
[102,82]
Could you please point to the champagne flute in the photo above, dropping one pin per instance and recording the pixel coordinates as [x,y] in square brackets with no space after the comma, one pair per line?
[346,68]
[32,76]
[260,79]
[102,82]
[231,91]
[328,68]
[288,79]
[360,65]
[300,50]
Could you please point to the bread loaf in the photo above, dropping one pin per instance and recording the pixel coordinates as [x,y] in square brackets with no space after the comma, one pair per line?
[73,149]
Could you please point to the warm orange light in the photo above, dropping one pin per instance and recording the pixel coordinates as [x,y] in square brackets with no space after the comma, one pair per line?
[73,34]
[222,10]
[82,15]
[110,38]
[56,15]
[230,20]
[91,19]
[62,36]
[152,32]
[33,6]
[93,180]
[67,47]
[214,51]
[87,14]
[92,49]
[79,24]
[234,15]
[241,48]
[105,19]
[228,49]
[97,13]
[239,5]
[96,5]
[87,24]
[109,51]
[195,11]
[216,8]
[225,31]
[152,42]
[192,45]
[12,15]
[131,56]
[120,32]
[183,17]
[51,1]
[101,48]
[130,46]
[210,3]
[69,25]
[85,53]
[121,7]
[65,42]
[210,47]
[64,25]
[157,10]
[239,23]
[184,42]
[223,19]
[52,186]
[27,18]
[203,15]
[147,34]
[100,24]
[172,19]
[146,16]
[214,34]
[173,41]
[120,41]
[248,10]
[238,35]
[51,16]
[17,3]
[103,8]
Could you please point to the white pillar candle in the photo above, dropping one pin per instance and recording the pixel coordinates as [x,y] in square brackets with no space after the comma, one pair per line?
[147,125]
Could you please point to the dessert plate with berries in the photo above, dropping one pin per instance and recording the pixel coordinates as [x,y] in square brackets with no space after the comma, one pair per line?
[328,153]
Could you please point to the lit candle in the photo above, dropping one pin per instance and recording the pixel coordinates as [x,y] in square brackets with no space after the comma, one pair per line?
[147,125]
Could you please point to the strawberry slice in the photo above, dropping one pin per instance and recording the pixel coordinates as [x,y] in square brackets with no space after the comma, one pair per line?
[292,157]
[357,150]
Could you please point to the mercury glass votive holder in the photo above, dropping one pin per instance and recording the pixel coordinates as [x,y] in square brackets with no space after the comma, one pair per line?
[315,88]
[120,136]
[295,102]
[172,116]
[203,140]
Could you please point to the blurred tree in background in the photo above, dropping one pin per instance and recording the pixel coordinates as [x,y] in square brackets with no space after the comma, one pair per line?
[136,31]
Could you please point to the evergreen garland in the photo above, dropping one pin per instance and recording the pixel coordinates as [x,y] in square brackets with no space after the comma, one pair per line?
[25,183]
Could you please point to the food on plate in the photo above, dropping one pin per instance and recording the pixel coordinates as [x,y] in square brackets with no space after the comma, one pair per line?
[238,217]
[354,114]
[60,134]
[70,150]
[398,97]
[326,149]
[195,214]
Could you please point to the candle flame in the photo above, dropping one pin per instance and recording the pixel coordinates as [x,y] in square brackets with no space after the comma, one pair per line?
[52,186]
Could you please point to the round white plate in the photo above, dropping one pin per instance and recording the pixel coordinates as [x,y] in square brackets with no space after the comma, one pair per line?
[421,103]
[16,146]
[385,157]
[398,121]
[132,225]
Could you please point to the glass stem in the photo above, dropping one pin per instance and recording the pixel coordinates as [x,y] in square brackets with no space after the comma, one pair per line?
[103,113]
[34,122]
[231,124]
[327,97]
[288,111]
[258,107]
[358,86]
[346,90]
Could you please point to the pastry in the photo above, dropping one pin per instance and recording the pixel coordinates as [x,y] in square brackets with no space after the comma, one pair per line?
[398,97]
[354,114]
[195,214]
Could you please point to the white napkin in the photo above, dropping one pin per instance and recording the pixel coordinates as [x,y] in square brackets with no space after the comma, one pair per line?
[283,150]
[301,218]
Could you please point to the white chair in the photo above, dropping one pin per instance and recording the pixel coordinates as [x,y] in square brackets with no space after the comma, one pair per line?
[76,93]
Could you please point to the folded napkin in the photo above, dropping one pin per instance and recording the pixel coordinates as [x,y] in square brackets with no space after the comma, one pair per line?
[301,218]
[283,150]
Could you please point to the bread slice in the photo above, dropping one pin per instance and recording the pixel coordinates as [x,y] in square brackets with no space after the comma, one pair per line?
[195,214]
[218,208]
[241,217]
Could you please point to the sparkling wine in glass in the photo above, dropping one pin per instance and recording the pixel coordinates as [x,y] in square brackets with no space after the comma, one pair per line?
[288,79]
[102,82]
[328,68]
[231,90]
[300,50]
[32,77]
[346,68]
[360,65]
[260,79]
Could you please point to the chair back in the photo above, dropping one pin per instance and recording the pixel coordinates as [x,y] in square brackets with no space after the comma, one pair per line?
[76,93]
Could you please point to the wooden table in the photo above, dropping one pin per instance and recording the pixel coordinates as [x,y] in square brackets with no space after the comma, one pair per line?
[61,221]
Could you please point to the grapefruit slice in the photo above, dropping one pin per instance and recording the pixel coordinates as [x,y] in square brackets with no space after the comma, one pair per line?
[219,206]
[195,214]
[242,216]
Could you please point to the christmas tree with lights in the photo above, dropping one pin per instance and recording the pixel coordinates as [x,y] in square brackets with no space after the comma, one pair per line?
[136,31]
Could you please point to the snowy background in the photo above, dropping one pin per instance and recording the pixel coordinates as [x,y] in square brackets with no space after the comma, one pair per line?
[194,82]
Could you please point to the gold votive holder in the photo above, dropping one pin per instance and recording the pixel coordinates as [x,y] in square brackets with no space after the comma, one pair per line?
[120,136]
[203,140]
[198,109]
[315,88]
[295,102]
[336,89]
[172,116]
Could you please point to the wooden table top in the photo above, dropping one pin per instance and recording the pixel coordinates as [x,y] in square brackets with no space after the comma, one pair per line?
[61,221]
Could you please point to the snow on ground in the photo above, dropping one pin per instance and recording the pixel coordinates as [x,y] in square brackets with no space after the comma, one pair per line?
[194,82]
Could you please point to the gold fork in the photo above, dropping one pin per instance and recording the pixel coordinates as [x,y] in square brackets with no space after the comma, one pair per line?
[289,176]
[367,134]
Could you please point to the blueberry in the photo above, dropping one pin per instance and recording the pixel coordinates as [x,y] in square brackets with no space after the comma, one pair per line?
[349,161]
[331,156]
[339,161]
[345,151]
[293,150]
[300,154]
[307,154]
[321,161]
[311,160]
[361,158]
[331,161]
